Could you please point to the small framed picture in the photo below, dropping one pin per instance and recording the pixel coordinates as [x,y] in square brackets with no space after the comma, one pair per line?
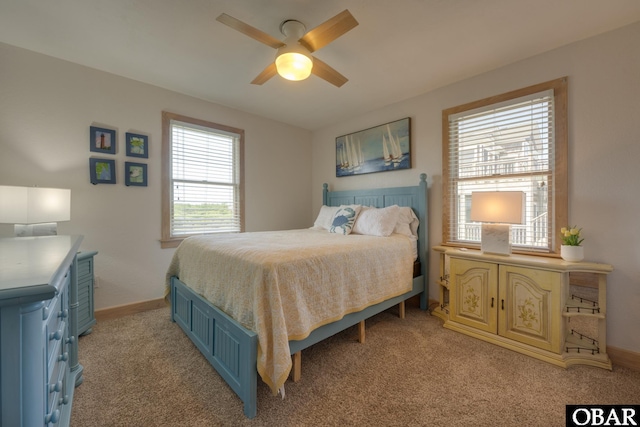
[135,174]
[102,140]
[102,171]
[137,145]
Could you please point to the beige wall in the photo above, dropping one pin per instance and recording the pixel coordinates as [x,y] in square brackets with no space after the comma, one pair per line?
[46,108]
[604,150]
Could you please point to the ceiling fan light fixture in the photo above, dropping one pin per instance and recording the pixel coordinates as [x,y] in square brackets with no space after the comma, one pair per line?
[293,63]
[293,60]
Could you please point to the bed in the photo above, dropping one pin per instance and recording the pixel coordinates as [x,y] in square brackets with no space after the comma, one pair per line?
[235,337]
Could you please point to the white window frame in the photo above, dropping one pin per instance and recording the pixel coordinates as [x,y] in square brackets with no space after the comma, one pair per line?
[454,178]
[169,238]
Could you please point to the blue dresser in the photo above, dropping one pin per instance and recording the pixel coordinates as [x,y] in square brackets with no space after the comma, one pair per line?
[39,366]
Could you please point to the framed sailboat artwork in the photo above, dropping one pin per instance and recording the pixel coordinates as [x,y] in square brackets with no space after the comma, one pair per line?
[382,148]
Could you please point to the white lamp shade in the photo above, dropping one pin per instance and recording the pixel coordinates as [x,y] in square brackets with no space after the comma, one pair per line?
[504,207]
[49,205]
[13,204]
[34,205]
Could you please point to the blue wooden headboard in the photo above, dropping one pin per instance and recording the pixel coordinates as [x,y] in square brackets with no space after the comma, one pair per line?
[415,197]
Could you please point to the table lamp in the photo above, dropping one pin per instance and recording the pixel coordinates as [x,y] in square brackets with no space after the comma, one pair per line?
[497,210]
[34,211]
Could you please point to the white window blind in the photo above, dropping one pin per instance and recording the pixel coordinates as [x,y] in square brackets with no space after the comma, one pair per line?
[205,180]
[507,146]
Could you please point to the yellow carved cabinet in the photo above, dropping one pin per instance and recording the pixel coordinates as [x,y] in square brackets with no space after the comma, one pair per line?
[473,292]
[530,306]
[524,303]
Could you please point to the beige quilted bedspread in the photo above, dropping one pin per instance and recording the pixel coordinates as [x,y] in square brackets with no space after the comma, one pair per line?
[284,284]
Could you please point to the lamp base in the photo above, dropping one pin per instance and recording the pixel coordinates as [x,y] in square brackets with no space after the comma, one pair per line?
[496,239]
[27,230]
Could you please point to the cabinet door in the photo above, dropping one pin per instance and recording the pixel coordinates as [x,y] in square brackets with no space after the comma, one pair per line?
[473,294]
[529,309]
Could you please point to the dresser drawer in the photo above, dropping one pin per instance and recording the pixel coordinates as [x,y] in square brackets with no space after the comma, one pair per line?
[57,357]
[55,331]
[57,313]
[56,392]
[57,352]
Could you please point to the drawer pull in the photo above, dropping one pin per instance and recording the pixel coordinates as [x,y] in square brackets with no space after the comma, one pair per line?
[55,387]
[63,400]
[63,314]
[63,357]
[70,340]
[45,313]
[53,417]
[57,335]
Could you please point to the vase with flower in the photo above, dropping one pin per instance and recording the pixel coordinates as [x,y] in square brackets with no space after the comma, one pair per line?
[571,240]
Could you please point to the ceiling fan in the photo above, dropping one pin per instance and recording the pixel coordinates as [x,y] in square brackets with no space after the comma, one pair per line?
[293,59]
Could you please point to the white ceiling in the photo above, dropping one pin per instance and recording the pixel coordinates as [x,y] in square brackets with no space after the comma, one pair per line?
[401,48]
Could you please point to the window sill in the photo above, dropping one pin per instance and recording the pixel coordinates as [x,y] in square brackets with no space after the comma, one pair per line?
[173,242]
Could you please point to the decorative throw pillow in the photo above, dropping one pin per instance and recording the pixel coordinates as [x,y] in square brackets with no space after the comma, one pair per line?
[325,217]
[344,219]
[407,222]
[377,221]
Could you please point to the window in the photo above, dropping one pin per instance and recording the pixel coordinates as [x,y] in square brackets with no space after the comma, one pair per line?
[512,142]
[202,190]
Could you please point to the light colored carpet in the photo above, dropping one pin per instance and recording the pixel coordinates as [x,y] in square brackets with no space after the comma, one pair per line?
[141,370]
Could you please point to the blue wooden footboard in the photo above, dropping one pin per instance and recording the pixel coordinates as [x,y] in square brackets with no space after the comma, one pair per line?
[230,348]
[233,350]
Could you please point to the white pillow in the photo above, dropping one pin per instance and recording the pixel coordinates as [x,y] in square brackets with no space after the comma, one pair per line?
[344,219]
[377,221]
[325,217]
[407,222]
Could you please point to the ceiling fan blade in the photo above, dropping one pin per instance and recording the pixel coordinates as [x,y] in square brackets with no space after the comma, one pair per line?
[250,31]
[324,71]
[328,31]
[265,75]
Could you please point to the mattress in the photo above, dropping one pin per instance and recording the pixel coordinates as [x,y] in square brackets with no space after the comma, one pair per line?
[284,284]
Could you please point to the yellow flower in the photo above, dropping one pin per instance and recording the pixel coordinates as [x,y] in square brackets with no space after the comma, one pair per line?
[571,236]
